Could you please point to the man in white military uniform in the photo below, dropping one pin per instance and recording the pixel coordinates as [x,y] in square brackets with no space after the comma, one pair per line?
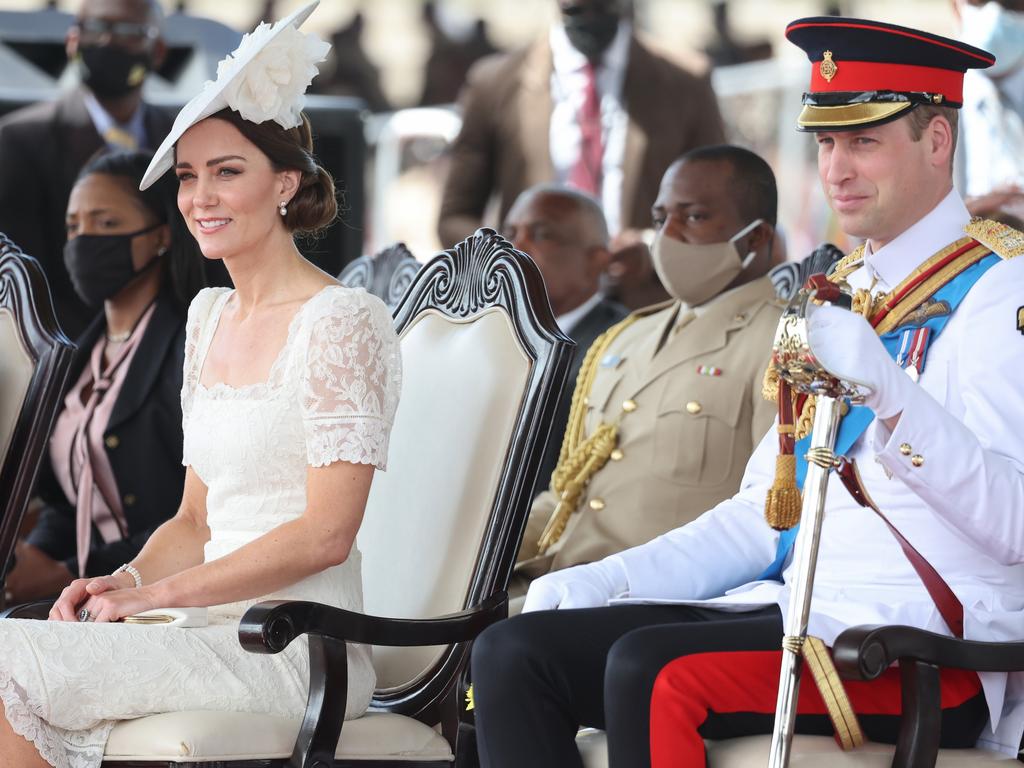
[941,455]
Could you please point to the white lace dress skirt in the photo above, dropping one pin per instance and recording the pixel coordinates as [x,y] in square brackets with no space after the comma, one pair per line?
[64,685]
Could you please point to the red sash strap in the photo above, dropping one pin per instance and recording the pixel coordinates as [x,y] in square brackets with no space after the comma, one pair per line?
[949,605]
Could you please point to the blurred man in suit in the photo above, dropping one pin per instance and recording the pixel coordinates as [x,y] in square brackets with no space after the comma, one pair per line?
[565,232]
[669,406]
[115,44]
[585,105]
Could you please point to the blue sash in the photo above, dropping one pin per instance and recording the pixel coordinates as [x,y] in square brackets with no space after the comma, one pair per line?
[859,417]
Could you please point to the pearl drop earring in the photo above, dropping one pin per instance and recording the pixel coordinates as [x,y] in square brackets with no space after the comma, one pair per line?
[282,209]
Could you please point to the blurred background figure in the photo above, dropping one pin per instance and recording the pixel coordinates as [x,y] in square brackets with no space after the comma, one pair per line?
[991,152]
[115,45]
[585,105]
[724,49]
[456,43]
[564,231]
[349,71]
[114,471]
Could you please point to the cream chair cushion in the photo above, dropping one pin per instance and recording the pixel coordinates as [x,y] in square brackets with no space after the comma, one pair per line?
[463,384]
[808,752]
[16,367]
[190,737]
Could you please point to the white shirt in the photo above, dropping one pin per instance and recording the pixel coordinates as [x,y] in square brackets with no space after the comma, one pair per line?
[103,121]
[568,90]
[963,508]
[568,320]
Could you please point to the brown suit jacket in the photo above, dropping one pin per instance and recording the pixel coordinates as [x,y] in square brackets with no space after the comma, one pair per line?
[42,149]
[504,145]
[686,444]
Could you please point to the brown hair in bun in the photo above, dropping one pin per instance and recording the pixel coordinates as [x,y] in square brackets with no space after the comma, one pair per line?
[315,206]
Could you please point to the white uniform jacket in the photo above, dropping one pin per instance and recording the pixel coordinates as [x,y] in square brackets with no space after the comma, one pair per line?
[962,508]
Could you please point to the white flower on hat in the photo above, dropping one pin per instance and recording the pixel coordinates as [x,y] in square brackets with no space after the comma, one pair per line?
[272,81]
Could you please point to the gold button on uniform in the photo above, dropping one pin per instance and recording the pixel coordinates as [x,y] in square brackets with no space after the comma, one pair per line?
[597,504]
[905,449]
[629,406]
[129,499]
[917,460]
[693,407]
[112,441]
[617,455]
[739,318]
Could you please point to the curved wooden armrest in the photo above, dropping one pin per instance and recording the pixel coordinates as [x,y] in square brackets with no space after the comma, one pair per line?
[270,626]
[863,653]
[37,610]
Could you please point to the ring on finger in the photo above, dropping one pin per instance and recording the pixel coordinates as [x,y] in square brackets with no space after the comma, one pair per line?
[84,615]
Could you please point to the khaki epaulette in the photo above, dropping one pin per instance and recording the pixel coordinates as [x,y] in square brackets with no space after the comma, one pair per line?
[1004,241]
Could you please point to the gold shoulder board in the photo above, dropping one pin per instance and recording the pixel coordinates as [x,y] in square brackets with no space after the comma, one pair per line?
[1005,241]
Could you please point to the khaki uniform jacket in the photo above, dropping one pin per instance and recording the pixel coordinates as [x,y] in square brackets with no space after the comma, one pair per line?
[686,444]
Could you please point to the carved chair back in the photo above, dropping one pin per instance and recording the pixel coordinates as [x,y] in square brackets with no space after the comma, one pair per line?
[34,360]
[484,364]
[387,274]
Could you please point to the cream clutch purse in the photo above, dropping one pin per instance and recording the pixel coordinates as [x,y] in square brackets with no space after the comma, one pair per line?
[170,617]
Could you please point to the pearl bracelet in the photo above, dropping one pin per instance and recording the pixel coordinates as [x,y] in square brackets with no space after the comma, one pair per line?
[132,571]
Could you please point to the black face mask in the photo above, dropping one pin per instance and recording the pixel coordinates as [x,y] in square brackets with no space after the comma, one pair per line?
[591,33]
[101,265]
[111,71]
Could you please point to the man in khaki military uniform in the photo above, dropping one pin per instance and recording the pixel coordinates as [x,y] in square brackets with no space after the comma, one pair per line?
[668,405]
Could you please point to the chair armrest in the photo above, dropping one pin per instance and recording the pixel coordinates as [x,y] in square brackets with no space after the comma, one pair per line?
[863,653]
[36,610]
[270,626]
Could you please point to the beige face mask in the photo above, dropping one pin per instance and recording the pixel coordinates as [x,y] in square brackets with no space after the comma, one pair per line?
[696,273]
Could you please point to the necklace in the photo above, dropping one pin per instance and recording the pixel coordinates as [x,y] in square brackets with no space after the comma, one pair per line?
[118,338]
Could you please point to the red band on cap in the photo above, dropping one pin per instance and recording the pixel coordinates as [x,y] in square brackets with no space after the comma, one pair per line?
[875,76]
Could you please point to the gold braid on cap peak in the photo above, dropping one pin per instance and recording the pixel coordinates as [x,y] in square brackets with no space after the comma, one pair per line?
[580,458]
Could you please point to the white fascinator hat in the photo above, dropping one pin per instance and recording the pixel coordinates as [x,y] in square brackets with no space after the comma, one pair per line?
[264,78]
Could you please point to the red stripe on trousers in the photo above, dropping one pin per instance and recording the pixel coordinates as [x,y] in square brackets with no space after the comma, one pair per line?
[748,681]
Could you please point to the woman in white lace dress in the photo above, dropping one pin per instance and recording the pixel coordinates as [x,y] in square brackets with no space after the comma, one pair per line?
[291,386]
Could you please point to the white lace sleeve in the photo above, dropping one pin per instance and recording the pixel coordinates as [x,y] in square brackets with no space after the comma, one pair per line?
[351,379]
[198,312]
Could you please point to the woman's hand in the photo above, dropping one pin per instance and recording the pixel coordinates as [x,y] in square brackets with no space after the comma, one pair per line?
[79,591]
[116,604]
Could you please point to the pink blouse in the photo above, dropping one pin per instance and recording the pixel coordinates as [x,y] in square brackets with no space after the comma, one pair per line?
[77,451]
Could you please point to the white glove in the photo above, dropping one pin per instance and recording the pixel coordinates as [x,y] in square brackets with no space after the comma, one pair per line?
[848,347]
[583,586]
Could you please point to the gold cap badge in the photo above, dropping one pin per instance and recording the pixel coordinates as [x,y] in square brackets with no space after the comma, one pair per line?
[828,67]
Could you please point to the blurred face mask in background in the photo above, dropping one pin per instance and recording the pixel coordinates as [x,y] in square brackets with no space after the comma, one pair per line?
[997,30]
[110,71]
[695,272]
[101,265]
[591,31]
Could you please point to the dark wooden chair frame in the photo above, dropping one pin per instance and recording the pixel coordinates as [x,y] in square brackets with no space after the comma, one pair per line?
[25,292]
[481,272]
[387,274]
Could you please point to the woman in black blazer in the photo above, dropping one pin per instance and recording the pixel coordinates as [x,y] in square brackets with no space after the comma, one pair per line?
[114,472]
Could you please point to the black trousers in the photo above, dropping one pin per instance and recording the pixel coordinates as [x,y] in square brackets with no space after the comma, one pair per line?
[538,677]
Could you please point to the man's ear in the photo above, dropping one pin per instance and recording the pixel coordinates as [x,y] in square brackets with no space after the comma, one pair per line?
[599,257]
[159,54]
[940,134]
[760,238]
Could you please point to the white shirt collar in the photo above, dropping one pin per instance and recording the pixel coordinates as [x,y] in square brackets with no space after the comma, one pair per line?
[943,225]
[570,319]
[103,121]
[565,58]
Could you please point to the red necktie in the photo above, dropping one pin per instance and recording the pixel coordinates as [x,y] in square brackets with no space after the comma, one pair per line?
[586,172]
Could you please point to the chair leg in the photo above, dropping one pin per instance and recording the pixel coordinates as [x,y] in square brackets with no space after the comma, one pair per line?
[325,709]
[921,720]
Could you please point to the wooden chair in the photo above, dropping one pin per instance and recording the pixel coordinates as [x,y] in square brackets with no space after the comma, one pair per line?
[484,364]
[387,274]
[34,360]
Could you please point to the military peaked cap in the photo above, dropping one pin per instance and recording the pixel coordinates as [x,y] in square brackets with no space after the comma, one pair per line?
[867,72]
